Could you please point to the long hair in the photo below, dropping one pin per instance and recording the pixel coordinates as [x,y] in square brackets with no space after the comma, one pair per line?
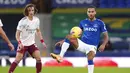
[26,9]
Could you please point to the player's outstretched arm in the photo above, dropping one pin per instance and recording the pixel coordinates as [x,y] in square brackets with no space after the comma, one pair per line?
[41,38]
[105,41]
[3,35]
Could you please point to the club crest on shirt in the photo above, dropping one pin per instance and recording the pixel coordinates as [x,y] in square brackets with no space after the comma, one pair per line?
[95,25]
[86,24]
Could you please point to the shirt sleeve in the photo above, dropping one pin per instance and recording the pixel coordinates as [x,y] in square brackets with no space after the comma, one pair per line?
[103,27]
[20,25]
[80,25]
[1,24]
[38,24]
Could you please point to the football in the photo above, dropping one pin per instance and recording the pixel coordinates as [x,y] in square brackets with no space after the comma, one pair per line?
[76,32]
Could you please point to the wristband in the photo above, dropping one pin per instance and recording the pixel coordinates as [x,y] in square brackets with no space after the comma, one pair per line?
[19,42]
[42,40]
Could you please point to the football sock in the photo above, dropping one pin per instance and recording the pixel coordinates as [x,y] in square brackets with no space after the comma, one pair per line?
[13,66]
[90,66]
[38,66]
[64,47]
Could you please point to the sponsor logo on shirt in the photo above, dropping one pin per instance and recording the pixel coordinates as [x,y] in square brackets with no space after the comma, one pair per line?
[95,25]
[31,31]
[90,29]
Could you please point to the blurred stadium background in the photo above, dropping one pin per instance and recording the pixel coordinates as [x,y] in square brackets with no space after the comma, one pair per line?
[57,18]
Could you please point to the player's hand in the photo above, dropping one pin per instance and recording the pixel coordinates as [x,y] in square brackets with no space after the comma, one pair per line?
[44,45]
[20,46]
[101,48]
[11,46]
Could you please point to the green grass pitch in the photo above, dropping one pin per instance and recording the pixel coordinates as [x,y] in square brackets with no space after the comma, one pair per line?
[67,70]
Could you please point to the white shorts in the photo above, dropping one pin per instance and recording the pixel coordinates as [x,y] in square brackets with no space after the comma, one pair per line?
[86,48]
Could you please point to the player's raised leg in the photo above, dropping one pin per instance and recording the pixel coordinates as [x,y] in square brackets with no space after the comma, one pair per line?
[90,56]
[69,39]
[35,53]
[18,58]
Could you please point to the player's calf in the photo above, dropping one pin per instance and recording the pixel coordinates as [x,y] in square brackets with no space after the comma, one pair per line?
[13,66]
[38,66]
[91,55]
[18,58]
[36,55]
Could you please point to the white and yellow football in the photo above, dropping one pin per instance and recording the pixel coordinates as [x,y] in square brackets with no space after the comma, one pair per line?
[76,32]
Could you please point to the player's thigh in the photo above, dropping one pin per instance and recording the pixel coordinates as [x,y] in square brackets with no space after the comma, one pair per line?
[20,53]
[91,55]
[86,48]
[36,55]
[83,47]
[34,52]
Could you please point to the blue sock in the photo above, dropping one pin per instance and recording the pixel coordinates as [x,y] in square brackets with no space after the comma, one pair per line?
[90,66]
[90,62]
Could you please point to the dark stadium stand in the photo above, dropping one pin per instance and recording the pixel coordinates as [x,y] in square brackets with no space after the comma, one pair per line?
[5,51]
[114,3]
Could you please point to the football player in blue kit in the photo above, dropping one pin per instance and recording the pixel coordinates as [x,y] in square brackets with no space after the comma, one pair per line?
[92,28]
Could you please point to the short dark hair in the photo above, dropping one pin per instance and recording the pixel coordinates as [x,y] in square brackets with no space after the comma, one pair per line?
[26,9]
[91,6]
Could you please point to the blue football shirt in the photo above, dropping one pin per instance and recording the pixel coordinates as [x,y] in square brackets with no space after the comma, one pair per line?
[92,31]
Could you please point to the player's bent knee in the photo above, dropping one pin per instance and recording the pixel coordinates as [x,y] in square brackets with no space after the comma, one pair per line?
[73,40]
[90,58]
[91,55]
[38,60]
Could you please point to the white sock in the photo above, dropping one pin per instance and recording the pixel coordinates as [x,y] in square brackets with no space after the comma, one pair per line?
[64,48]
[90,68]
